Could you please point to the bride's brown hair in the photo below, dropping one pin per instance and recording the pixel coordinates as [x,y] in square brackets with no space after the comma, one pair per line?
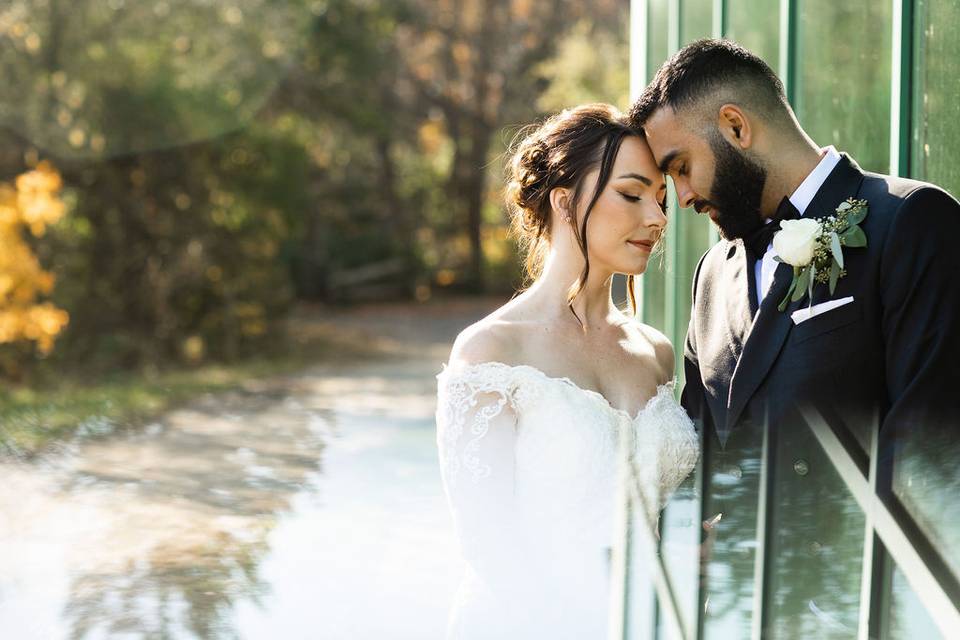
[559,153]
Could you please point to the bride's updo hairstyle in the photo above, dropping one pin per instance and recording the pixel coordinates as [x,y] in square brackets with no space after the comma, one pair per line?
[560,152]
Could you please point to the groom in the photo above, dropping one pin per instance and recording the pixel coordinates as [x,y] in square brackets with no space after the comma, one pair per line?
[872,346]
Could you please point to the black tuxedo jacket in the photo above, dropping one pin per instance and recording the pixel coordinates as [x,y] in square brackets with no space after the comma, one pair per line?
[891,357]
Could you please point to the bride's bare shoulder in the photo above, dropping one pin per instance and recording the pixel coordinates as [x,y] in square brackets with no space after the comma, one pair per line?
[496,337]
[661,345]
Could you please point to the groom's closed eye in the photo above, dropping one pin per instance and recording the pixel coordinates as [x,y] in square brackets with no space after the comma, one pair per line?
[667,162]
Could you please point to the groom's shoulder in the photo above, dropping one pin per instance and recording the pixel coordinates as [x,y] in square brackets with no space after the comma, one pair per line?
[714,257]
[889,195]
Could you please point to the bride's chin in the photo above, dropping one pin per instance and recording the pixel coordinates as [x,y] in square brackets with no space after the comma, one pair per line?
[635,270]
[640,266]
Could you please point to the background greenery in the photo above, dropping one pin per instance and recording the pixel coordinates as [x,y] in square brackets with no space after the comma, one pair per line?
[222,161]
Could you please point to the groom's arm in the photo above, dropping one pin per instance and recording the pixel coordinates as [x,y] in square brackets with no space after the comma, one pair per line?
[920,320]
[693,400]
[693,396]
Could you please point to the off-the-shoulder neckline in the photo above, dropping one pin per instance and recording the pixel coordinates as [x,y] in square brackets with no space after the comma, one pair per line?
[661,388]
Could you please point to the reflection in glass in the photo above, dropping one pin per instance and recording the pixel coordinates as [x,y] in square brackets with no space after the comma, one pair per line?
[907,616]
[926,481]
[816,543]
[640,594]
[679,545]
[730,548]
[756,25]
[936,109]
[843,77]
[696,20]
[655,278]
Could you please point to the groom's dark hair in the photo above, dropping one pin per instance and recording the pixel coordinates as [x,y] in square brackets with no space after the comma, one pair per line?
[708,72]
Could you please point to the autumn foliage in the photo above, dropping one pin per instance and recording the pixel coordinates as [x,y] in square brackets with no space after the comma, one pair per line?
[28,206]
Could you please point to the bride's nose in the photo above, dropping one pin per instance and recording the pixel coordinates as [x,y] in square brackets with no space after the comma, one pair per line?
[654,216]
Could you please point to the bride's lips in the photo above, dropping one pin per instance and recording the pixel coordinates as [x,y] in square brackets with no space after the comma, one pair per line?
[642,244]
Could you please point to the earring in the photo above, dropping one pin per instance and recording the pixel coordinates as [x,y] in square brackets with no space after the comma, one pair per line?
[567,219]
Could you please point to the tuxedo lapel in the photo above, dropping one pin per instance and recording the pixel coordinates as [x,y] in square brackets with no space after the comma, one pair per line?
[772,326]
[762,347]
[741,304]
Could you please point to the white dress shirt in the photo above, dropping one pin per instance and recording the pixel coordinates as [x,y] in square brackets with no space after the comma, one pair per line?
[801,199]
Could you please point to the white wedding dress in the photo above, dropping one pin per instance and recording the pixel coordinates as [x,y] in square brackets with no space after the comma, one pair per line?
[529,465]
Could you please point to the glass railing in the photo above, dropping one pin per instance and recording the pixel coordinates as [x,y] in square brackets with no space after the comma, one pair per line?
[867,560]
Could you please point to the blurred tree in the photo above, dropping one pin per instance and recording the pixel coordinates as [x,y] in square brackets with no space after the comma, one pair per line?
[366,181]
[477,63]
[32,203]
[220,160]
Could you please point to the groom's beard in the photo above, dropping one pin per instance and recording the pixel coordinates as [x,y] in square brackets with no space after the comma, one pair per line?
[737,189]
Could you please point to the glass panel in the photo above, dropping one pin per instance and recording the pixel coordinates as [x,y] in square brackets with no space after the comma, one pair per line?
[658,24]
[694,242]
[730,547]
[816,544]
[654,282]
[696,20]
[926,481]
[679,548]
[936,135]
[843,77]
[640,592]
[756,25]
[908,617]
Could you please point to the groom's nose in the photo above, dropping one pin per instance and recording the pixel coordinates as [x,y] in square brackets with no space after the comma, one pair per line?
[685,195]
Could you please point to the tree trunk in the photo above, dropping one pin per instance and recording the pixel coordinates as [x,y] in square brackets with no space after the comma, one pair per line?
[474,188]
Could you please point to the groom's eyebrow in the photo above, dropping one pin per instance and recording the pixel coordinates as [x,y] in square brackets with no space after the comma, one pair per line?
[668,159]
[645,180]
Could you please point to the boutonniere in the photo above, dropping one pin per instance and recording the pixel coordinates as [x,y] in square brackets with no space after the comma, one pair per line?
[814,247]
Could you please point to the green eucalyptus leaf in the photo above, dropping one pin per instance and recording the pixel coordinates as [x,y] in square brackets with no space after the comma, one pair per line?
[855,237]
[834,275]
[812,280]
[786,298]
[857,216]
[835,248]
[801,284]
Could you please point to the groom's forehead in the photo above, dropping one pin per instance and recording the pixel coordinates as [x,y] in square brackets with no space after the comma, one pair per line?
[668,135]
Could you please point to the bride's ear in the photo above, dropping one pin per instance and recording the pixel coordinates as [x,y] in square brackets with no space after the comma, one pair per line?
[560,201]
[735,126]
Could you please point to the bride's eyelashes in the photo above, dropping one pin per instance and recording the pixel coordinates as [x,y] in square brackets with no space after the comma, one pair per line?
[629,198]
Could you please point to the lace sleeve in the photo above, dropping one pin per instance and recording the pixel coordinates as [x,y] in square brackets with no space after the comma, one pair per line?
[477,420]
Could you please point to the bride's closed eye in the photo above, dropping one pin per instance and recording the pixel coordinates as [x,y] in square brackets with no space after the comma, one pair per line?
[629,198]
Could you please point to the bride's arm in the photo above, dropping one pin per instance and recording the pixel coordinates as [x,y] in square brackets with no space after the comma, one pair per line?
[477,421]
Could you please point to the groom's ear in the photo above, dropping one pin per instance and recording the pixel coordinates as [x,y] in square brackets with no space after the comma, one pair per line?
[735,126]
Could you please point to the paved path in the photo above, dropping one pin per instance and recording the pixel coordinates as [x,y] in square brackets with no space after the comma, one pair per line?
[304,506]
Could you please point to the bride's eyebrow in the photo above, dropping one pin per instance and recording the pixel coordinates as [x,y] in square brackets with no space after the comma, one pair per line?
[645,180]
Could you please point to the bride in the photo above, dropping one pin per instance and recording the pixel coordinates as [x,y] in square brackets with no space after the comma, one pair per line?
[535,396]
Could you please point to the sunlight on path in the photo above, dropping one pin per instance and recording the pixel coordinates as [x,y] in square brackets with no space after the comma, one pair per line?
[307,506]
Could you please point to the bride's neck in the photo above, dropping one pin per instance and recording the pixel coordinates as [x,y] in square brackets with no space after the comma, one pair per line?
[593,303]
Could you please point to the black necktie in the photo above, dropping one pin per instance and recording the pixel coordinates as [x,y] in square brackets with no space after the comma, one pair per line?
[757,242]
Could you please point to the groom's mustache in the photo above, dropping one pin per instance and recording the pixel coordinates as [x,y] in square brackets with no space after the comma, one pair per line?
[700,205]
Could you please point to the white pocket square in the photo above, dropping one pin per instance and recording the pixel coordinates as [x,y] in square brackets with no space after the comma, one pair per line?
[805,313]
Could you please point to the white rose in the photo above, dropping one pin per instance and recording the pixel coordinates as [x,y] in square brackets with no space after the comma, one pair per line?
[796,241]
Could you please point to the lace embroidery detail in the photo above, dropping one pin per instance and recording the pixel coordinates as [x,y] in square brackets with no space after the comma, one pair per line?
[673,433]
[533,496]
[458,388]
